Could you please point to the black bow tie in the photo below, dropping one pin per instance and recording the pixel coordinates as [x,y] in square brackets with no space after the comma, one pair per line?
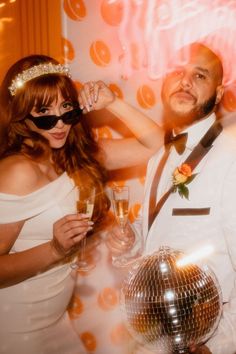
[179,141]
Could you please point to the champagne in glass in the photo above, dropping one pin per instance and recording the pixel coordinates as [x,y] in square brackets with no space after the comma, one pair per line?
[121,211]
[85,207]
[120,198]
[85,198]
[126,244]
[120,202]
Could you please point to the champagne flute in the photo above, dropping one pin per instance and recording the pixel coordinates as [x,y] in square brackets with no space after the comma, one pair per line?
[129,242]
[120,199]
[120,202]
[85,198]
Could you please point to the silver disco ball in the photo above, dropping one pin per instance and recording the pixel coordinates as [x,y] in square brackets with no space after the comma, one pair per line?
[167,307]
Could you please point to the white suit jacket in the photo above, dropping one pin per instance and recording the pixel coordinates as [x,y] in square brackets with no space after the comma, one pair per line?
[214,191]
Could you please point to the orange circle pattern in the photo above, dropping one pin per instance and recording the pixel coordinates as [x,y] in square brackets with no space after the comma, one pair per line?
[76,307]
[116,90]
[67,50]
[104,133]
[108,299]
[75,9]
[89,341]
[146,97]
[134,211]
[119,334]
[112,12]
[100,53]
[78,84]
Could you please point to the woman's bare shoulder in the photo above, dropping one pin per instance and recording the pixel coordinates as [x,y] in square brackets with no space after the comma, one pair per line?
[18,175]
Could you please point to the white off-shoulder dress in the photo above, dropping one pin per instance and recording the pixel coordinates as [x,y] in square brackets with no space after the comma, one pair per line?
[33,317]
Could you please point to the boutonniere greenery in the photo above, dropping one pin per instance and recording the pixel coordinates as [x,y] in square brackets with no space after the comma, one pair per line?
[181,177]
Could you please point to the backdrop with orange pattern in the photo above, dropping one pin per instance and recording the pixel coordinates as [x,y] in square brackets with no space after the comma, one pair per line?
[92,46]
[93,50]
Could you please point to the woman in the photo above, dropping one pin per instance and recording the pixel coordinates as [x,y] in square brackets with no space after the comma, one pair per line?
[46,149]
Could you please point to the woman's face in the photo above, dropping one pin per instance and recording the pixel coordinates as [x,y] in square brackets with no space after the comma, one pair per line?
[58,134]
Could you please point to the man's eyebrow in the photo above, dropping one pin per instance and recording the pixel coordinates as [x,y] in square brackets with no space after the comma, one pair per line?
[204,71]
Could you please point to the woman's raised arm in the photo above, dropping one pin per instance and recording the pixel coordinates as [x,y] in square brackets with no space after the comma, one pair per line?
[147,135]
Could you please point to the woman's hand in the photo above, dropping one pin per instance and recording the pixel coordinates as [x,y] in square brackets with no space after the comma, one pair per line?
[68,232]
[118,242]
[95,95]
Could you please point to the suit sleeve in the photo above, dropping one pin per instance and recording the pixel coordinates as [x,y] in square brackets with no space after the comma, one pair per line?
[224,339]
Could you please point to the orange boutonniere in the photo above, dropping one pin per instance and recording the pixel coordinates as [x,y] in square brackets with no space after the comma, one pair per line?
[182,176]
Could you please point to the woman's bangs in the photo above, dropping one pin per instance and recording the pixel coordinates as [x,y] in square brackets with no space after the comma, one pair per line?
[67,88]
[45,90]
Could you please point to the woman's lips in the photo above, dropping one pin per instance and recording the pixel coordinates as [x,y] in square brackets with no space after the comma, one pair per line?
[58,136]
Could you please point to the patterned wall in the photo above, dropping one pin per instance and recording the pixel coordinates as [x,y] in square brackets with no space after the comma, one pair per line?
[93,50]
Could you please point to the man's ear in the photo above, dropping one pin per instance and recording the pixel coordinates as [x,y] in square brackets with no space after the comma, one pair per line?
[219,93]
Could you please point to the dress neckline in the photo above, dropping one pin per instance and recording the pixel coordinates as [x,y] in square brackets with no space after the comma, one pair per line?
[51,184]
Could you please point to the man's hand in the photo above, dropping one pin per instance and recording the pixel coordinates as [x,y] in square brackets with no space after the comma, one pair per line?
[119,243]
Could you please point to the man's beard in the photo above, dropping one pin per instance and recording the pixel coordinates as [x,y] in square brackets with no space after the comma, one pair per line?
[207,107]
[173,120]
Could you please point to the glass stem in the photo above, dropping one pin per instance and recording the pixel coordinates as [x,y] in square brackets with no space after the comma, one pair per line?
[83,245]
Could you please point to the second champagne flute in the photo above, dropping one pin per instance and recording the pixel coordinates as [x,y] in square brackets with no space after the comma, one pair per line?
[120,199]
[85,198]
[128,244]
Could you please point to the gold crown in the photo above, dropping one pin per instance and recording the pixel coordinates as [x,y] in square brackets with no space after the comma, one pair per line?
[36,71]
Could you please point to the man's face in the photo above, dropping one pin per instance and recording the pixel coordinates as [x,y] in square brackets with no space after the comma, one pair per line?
[191,91]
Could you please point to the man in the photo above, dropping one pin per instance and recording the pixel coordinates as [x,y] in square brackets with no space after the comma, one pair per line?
[202,212]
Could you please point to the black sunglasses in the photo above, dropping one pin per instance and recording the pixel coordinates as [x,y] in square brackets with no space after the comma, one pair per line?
[48,122]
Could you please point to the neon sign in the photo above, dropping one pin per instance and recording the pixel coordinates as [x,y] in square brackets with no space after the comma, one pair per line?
[152,31]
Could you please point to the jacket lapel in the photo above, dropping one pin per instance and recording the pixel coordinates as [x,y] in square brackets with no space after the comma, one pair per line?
[198,153]
[204,146]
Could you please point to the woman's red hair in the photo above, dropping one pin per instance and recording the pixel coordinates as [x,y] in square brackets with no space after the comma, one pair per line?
[78,157]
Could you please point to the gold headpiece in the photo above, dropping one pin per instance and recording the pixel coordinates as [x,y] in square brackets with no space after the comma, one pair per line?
[36,71]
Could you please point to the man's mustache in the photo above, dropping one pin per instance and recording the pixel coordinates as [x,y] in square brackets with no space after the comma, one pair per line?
[184,91]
